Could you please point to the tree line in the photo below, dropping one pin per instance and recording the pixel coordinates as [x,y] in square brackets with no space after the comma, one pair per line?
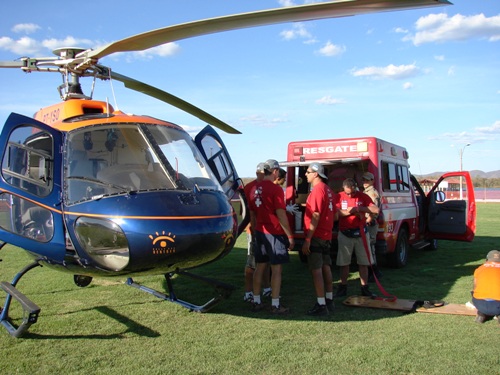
[481,182]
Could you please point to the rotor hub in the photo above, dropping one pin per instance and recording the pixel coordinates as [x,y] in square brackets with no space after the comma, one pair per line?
[68,52]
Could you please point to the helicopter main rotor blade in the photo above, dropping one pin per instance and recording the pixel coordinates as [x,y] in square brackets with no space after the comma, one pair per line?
[173,100]
[307,12]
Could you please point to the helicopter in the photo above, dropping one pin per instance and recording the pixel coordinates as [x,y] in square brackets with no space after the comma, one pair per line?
[94,192]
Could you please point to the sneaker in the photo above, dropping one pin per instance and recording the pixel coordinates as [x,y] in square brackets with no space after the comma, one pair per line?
[256,307]
[266,292]
[280,310]
[248,298]
[330,305]
[341,291]
[318,310]
[366,292]
[480,318]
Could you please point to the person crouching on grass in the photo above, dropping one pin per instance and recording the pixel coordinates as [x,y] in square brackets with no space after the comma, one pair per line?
[486,290]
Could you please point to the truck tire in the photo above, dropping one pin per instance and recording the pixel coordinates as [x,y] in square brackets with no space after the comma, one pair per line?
[399,257]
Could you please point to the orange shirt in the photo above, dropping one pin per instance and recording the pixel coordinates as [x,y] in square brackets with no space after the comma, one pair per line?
[487,281]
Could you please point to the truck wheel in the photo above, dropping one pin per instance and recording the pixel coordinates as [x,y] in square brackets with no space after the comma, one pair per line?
[399,257]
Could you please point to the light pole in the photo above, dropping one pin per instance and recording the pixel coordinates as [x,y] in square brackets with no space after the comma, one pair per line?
[461,166]
[462,155]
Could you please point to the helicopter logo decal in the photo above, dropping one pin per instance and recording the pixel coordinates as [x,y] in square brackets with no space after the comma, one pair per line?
[163,244]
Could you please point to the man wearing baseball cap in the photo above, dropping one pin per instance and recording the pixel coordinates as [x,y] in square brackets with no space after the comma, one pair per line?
[250,264]
[352,206]
[371,223]
[272,234]
[319,217]
[486,290]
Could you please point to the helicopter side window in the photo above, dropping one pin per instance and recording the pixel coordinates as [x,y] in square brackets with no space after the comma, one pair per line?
[28,160]
[181,158]
[218,162]
[27,219]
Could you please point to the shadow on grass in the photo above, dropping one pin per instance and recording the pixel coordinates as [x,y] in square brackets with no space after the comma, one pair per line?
[131,327]
[429,275]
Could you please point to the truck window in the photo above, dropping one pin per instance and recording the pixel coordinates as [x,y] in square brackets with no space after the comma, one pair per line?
[389,177]
[404,183]
[395,177]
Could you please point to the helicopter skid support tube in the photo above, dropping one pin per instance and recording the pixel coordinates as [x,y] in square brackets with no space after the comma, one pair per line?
[30,308]
[223,292]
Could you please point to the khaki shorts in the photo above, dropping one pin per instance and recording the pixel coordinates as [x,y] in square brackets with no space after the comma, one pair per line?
[348,245]
[320,254]
[372,231]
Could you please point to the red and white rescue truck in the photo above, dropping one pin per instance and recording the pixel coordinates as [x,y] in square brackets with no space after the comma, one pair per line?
[408,214]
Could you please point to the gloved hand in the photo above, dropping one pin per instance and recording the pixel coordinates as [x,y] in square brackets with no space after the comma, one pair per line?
[293,209]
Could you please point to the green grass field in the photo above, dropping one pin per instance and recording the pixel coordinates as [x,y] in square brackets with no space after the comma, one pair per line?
[111,328]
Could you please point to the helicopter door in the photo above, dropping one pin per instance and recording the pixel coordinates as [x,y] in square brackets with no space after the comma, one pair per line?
[212,148]
[30,187]
[451,208]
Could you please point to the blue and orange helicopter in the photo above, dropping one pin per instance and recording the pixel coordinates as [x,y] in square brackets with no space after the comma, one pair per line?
[95,192]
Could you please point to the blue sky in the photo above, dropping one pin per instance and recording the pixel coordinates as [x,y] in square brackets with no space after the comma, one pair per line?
[427,79]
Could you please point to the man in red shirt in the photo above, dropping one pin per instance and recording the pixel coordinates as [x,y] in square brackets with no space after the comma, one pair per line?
[486,292]
[272,234]
[319,217]
[250,264]
[353,206]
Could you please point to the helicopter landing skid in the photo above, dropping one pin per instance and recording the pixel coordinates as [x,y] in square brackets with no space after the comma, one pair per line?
[31,310]
[223,291]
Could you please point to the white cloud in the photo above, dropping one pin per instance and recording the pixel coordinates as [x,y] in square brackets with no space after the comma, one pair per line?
[477,135]
[330,49]
[69,41]
[28,46]
[451,71]
[261,121]
[286,3]
[22,46]
[27,28]
[400,30]
[329,100]
[441,28]
[439,57]
[390,71]
[493,129]
[164,50]
[298,30]
[407,85]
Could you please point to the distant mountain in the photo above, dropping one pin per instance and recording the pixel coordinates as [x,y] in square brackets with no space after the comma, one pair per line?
[474,173]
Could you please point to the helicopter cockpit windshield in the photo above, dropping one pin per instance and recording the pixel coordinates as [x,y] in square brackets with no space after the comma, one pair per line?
[112,159]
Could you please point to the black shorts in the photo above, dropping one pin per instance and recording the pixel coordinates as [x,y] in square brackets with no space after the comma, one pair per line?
[270,248]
